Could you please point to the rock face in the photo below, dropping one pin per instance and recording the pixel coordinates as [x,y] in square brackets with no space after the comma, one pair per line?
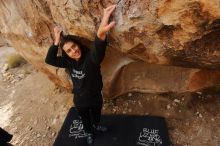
[164,32]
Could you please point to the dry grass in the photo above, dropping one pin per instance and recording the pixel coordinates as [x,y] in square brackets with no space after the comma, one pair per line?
[15,60]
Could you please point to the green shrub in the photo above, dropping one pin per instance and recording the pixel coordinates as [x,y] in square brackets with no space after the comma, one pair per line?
[15,60]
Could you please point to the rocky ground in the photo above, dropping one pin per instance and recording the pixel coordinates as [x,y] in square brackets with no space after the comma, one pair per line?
[33,109]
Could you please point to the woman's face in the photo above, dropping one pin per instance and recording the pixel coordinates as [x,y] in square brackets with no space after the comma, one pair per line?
[72,50]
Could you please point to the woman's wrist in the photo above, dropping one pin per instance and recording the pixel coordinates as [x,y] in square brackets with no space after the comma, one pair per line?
[56,42]
[101,36]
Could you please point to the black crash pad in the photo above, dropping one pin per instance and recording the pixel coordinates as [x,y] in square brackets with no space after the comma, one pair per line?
[124,130]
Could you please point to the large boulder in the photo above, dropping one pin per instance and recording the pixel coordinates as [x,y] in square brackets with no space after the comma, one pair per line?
[168,33]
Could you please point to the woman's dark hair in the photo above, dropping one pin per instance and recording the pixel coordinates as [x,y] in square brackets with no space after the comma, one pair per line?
[72,38]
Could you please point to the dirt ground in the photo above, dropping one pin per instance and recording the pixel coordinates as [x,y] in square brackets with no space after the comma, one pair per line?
[33,109]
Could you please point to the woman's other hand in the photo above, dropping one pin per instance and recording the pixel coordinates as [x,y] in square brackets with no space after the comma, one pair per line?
[105,26]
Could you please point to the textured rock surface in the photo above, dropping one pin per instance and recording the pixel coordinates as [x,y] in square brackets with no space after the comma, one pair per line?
[169,32]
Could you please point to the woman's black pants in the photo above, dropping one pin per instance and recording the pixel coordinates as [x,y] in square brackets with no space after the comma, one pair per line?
[90,116]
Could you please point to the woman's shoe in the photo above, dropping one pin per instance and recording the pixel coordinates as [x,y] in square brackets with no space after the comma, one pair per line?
[4,136]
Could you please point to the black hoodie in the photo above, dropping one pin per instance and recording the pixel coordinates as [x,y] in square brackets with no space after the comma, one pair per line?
[85,73]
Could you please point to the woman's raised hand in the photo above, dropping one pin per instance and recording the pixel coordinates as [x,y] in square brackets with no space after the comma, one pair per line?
[105,26]
[57,31]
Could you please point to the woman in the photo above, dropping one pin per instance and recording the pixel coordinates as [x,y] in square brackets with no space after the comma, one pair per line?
[84,67]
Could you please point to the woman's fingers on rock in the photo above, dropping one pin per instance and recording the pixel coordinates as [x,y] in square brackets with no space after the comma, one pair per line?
[113,7]
[109,26]
[108,12]
[110,9]
[58,29]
